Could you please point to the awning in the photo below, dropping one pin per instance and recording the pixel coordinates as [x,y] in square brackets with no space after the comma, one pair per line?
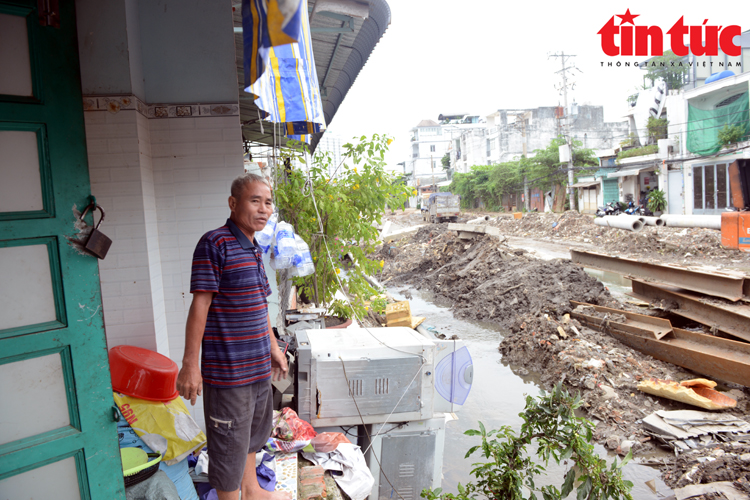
[625,173]
[585,184]
[631,171]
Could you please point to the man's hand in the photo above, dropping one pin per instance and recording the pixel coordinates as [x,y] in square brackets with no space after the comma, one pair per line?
[279,367]
[190,382]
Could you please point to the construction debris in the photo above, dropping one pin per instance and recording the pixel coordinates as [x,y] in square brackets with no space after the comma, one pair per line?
[718,284]
[484,278]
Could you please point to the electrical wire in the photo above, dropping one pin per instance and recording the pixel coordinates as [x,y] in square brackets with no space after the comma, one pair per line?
[364,426]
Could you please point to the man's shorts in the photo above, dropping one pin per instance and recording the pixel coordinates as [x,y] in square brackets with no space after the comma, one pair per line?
[239,421]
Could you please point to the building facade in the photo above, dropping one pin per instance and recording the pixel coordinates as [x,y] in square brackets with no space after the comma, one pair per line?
[510,133]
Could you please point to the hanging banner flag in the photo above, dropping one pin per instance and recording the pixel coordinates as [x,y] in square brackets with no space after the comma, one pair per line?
[279,65]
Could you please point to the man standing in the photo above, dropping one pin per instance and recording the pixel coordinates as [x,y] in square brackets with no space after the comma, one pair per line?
[229,319]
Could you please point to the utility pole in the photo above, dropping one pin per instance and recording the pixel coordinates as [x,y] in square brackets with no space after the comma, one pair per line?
[525,177]
[568,138]
[432,167]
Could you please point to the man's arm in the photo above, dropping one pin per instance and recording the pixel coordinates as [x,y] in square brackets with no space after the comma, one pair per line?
[279,366]
[189,381]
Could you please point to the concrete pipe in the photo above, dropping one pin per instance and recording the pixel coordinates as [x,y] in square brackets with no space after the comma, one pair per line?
[627,223]
[652,221]
[705,221]
[479,220]
[639,217]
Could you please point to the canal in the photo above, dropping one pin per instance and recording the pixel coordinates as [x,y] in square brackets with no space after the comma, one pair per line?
[497,397]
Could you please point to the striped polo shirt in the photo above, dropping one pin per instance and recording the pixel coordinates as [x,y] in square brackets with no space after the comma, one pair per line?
[236,345]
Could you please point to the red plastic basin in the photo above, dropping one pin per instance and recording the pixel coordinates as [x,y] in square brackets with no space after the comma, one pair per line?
[142,373]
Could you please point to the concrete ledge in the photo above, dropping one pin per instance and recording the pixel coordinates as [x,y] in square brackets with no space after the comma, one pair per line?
[474,228]
[401,233]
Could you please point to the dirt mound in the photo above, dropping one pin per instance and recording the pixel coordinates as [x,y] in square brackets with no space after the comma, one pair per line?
[487,280]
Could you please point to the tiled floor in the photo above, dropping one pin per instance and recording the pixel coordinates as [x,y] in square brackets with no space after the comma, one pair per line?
[286,473]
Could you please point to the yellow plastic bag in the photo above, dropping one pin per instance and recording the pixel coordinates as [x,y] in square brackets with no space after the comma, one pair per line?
[165,427]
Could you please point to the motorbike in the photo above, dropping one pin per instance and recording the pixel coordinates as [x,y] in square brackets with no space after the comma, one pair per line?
[612,208]
[633,209]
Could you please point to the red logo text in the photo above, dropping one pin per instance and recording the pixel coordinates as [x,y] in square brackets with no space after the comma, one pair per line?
[700,40]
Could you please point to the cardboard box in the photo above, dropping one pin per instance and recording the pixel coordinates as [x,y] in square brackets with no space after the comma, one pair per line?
[398,311]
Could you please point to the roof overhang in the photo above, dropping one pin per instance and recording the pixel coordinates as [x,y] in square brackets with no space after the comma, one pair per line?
[627,172]
[586,184]
[342,41]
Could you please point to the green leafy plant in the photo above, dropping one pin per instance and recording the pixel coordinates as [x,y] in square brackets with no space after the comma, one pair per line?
[657,128]
[550,423]
[446,161]
[731,134]
[632,140]
[378,305]
[670,67]
[657,202]
[645,150]
[350,199]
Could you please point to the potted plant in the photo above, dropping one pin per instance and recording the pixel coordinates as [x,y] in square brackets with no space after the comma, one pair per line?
[657,202]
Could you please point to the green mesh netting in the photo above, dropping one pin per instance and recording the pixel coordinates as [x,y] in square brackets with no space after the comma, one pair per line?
[704,126]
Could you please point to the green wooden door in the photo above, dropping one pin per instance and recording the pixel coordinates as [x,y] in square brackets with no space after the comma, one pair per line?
[58,437]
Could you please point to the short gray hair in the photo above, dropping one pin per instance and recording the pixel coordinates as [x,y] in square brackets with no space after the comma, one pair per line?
[238,185]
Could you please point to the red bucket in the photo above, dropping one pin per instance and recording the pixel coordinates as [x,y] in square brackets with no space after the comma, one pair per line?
[142,373]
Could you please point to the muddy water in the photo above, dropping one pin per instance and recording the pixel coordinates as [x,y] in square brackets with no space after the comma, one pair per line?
[497,397]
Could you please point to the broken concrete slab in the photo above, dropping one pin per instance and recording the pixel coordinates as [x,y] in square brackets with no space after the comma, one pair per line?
[474,228]
[692,424]
[725,488]
[401,233]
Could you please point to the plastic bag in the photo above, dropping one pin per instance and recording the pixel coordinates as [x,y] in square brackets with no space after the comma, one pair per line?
[165,427]
[289,427]
[326,442]
[279,445]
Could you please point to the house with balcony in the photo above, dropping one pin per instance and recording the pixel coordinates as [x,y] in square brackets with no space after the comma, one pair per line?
[710,111]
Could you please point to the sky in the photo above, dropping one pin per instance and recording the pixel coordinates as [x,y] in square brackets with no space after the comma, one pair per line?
[478,56]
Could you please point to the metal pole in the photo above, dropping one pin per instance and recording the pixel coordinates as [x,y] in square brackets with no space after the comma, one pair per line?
[432,167]
[568,140]
[525,177]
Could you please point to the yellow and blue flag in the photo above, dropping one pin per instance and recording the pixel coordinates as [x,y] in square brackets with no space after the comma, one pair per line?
[279,65]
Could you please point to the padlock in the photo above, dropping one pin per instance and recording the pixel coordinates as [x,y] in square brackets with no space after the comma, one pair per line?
[98,244]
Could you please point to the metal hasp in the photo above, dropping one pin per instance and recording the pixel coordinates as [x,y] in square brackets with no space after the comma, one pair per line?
[715,357]
[634,323]
[718,284]
[732,319]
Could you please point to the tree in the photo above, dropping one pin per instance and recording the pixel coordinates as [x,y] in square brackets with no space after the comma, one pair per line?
[550,423]
[657,128]
[348,206]
[670,67]
[490,182]
[446,161]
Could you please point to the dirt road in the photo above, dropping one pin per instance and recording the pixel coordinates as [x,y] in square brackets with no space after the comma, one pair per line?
[488,279]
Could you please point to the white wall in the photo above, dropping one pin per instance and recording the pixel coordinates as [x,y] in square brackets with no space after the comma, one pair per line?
[162,183]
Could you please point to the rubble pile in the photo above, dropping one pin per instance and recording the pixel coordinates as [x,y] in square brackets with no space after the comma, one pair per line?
[667,242]
[487,280]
